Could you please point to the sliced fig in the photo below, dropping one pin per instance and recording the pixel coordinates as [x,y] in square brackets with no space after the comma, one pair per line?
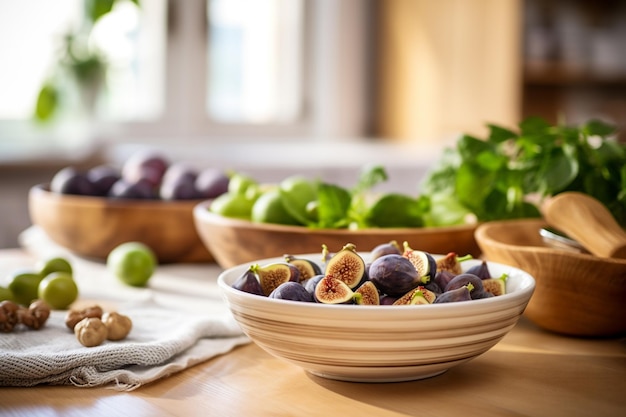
[424,263]
[452,262]
[369,294]
[394,275]
[347,266]
[481,270]
[452,296]
[248,282]
[293,291]
[389,248]
[418,295]
[273,274]
[330,290]
[307,267]
[495,286]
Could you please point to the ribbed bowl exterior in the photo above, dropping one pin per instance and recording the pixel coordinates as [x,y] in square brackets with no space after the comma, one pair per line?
[378,343]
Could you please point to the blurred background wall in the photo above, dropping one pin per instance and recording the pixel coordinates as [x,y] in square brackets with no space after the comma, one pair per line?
[277,86]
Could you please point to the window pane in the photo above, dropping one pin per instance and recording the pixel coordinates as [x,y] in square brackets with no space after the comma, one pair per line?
[132,39]
[134,42]
[30,32]
[255,60]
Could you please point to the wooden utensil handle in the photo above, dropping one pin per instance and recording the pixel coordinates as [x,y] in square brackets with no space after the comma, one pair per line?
[588,221]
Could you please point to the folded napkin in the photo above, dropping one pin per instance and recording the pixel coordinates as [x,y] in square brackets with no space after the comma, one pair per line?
[162,341]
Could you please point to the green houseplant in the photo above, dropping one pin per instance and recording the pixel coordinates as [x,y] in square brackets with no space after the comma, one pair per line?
[79,62]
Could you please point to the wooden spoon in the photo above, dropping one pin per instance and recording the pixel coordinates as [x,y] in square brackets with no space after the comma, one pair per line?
[588,221]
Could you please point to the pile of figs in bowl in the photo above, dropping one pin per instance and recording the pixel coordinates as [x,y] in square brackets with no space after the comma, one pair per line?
[389,314]
[149,199]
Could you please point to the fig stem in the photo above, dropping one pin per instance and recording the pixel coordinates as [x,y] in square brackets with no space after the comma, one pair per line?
[464,258]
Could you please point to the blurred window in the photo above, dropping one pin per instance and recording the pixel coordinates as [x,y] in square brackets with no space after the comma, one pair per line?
[190,68]
[255,60]
[32,36]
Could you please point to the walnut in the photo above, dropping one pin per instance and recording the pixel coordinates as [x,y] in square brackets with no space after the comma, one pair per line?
[90,331]
[74,316]
[8,316]
[36,315]
[118,325]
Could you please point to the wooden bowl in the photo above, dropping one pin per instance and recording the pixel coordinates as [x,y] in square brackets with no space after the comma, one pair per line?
[93,226]
[233,242]
[576,294]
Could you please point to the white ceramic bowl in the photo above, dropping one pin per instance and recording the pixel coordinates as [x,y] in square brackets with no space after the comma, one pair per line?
[377,343]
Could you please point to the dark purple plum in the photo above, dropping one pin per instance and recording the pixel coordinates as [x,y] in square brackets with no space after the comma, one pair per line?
[141,190]
[211,183]
[248,282]
[178,190]
[148,165]
[394,275]
[70,180]
[293,291]
[102,177]
[455,295]
[178,183]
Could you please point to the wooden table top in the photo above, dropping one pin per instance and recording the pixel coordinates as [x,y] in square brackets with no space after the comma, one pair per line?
[529,373]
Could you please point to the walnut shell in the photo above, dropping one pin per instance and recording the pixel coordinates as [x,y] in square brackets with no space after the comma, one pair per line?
[118,325]
[90,331]
[74,316]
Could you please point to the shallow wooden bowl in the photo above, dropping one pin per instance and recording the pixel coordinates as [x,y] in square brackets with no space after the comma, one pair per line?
[93,226]
[234,242]
[575,294]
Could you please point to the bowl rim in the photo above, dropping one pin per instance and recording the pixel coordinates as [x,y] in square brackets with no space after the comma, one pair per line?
[201,212]
[486,240]
[42,190]
[525,291]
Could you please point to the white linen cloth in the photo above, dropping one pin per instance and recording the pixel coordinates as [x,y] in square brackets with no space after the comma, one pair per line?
[162,341]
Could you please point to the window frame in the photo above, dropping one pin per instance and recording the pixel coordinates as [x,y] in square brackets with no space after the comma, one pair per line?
[336,89]
[335,79]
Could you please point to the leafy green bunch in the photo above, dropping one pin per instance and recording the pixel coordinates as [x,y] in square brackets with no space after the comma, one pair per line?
[355,207]
[509,173]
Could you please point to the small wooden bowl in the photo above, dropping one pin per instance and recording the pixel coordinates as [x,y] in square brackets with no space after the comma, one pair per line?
[234,242]
[575,294]
[93,226]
